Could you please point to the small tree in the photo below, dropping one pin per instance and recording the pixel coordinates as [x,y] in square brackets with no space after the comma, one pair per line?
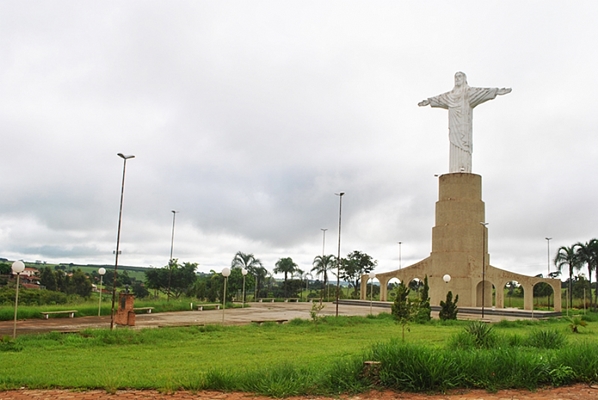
[448,309]
[402,308]
[424,311]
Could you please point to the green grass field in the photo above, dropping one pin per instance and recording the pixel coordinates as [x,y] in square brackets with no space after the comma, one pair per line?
[296,358]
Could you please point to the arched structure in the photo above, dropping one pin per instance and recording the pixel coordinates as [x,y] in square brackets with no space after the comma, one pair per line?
[460,249]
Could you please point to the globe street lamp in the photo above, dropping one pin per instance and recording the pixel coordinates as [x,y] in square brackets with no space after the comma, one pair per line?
[225,274]
[117,252]
[244,272]
[101,271]
[17,268]
[446,278]
[338,258]
[372,275]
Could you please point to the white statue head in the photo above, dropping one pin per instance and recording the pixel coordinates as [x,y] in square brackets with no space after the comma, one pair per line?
[460,79]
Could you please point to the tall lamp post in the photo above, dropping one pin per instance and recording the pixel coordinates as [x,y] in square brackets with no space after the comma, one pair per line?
[548,264]
[548,256]
[485,224]
[372,275]
[117,252]
[244,272]
[101,271]
[17,268]
[225,274]
[170,260]
[323,240]
[400,243]
[338,258]
[307,275]
[324,273]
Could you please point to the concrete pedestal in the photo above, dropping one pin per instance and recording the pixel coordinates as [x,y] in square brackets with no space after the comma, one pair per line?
[460,249]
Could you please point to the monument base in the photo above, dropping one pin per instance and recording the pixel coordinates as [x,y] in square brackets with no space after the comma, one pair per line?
[460,250]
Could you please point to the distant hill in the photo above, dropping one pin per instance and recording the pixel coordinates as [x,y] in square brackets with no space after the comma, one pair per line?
[133,271]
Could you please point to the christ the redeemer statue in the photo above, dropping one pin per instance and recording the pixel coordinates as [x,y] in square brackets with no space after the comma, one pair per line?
[460,102]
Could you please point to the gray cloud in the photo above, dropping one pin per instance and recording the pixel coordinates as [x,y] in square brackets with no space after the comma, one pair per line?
[248,117]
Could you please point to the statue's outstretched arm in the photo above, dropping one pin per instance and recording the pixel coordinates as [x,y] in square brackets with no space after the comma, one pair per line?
[427,102]
[502,91]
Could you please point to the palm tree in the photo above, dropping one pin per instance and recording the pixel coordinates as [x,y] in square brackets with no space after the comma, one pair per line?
[322,264]
[588,254]
[253,266]
[285,266]
[567,257]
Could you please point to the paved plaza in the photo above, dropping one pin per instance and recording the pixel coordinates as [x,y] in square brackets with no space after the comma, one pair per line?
[232,316]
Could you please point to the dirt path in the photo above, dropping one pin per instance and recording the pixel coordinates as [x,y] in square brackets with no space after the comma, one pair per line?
[582,392]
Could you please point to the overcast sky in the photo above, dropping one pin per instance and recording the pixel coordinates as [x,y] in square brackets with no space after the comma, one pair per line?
[248,116]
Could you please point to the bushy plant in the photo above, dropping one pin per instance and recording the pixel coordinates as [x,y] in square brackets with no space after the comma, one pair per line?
[315,311]
[33,297]
[575,323]
[545,339]
[402,308]
[448,308]
[9,344]
[423,311]
[477,335]
[561,375]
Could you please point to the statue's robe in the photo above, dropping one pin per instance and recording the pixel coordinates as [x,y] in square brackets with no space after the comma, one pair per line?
[460,103]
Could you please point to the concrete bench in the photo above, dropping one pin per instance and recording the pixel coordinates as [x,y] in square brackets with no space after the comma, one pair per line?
[201,307]
[146,309]
[271,300]
[71,313]
[262,321]
[294,299]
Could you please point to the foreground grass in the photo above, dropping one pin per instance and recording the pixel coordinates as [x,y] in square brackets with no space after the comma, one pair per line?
[294,359]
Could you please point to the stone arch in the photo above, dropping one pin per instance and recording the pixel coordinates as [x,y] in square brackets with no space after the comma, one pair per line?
[545,291]
[487,289]
[514,293]
[390,285]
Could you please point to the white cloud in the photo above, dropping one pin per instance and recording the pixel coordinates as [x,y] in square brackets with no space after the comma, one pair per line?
[248,117]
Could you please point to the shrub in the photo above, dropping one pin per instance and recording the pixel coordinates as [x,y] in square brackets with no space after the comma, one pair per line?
[575,323]
[477,335]
[545,339]
[424,311]
[315,311]
[402,308]
[483,334]
[448,308]
[9,344]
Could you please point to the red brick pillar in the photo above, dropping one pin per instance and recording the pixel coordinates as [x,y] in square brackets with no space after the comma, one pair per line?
[125,315]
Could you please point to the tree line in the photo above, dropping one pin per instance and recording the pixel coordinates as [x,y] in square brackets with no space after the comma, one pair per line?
[176,279]
[570,259]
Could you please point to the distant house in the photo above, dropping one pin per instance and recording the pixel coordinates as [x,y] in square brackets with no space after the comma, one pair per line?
[29,272]
[30,278]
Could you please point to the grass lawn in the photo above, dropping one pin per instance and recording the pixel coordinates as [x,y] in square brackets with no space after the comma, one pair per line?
[219,357]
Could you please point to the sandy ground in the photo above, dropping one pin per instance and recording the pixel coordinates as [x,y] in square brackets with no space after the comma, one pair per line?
[582,392]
